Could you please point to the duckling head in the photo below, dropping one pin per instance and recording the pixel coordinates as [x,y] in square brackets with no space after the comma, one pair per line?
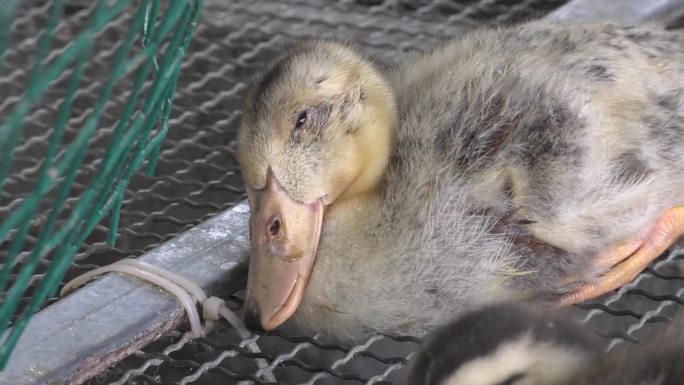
[316,131]
[503,344]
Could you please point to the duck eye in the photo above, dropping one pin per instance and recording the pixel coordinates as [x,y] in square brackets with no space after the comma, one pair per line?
[301,119]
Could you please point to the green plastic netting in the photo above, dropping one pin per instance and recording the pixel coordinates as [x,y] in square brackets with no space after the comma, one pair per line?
[148,57]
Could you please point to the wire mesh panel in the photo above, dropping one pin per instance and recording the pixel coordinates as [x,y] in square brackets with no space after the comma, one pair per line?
[631,315]
[197,176]
[63,172]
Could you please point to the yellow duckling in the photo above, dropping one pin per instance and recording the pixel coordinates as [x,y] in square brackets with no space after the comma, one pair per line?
[536,160]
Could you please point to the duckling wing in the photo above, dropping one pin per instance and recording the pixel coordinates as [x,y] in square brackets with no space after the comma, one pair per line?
[570,137]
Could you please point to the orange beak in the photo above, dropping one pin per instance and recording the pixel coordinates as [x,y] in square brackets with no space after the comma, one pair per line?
[284,238]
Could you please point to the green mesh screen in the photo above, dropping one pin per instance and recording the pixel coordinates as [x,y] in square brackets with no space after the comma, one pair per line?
[143,73]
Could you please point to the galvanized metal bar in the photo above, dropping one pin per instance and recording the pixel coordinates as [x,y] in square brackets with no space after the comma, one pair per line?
[105,321]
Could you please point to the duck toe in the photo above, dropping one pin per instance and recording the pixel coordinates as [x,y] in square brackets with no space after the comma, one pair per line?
[625,261]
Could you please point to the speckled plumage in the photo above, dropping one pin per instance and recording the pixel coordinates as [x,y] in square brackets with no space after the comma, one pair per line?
[517,154]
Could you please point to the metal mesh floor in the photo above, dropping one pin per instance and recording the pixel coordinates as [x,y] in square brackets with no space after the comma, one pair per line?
[197,176]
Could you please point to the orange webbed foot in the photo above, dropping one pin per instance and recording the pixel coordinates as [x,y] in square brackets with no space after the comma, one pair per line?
[627,260]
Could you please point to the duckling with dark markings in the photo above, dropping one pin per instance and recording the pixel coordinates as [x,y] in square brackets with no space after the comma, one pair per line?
[507,343]
[539,160]
[517,344]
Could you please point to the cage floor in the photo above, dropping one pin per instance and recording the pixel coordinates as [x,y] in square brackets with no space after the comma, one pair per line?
[197,175]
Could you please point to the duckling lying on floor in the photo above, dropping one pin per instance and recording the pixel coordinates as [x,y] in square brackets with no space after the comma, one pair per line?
[536,160]
[515,344]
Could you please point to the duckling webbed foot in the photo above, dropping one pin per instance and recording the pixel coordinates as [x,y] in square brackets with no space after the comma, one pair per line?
[627,260]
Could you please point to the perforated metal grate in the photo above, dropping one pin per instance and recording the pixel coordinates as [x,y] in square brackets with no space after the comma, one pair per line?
[197,177]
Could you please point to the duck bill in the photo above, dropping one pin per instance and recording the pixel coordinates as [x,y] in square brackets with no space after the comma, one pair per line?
[284,239]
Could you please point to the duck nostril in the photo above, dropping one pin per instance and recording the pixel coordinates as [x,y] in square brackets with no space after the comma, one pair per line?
[275,227]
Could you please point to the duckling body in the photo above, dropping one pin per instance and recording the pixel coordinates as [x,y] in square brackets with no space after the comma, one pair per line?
[659,362]
[516,344]
[515,157]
